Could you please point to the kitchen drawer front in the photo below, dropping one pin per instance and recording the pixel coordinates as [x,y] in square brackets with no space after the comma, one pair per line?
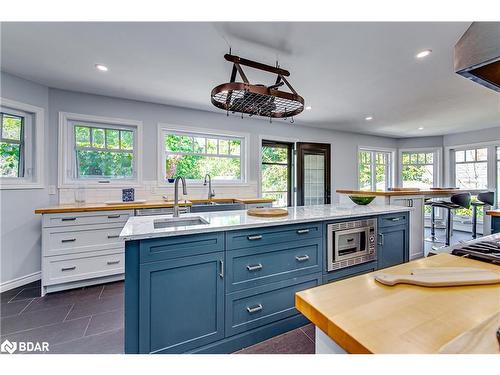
[63,269]
[259,306]
[251,267]
[272,235]
[180,246]
[85,218]
[400,218]
[258,205]
[66,240]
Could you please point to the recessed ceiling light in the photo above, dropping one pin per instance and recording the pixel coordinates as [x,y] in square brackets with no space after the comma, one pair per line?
[423,54]
[102,68]
[369,118]
[308,108]
[421,128]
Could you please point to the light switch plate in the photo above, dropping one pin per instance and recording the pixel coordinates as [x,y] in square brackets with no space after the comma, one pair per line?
[52,190]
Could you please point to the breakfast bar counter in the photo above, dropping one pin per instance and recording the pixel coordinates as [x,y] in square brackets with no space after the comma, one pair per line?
[360,315]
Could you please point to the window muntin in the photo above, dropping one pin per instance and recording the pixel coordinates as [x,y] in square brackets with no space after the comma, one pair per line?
[374,170]
[471,168]
[417,169]
[102,151]
[193,155]
[12,145]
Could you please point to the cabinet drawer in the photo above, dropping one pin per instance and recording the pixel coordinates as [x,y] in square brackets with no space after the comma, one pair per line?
[400,218]
[63,269]
[180,246]
[256,307]
[252,267]
[271,235]
[84,218]
[64,240]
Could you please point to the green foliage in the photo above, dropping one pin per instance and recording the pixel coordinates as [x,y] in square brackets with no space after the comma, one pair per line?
[9,159]
[105,164]
[195,167]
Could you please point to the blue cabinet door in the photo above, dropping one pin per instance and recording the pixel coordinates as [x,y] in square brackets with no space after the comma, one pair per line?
[181,303]
[392,246]
[495,224]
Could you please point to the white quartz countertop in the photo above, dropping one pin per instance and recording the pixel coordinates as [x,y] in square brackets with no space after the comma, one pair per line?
[141,227]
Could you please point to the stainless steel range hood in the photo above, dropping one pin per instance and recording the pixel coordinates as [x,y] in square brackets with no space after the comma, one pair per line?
[477,54]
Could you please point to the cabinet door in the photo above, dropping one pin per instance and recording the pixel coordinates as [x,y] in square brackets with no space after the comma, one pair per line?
[181,303]
[392,246]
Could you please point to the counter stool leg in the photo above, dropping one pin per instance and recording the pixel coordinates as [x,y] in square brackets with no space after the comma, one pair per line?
[474,221]
[448,228]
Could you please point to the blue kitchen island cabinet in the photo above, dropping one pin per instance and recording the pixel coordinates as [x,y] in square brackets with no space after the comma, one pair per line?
[393,240]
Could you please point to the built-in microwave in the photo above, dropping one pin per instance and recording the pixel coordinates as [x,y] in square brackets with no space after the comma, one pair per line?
[350,243]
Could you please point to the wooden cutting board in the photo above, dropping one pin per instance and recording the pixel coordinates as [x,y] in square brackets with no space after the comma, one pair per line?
[267,212]
[441,270]
[482,339]
[437,279]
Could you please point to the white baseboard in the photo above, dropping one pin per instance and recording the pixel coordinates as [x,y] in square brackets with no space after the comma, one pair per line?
[20,281]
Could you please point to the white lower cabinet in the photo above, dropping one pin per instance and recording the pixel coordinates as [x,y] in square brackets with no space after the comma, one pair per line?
[81,249]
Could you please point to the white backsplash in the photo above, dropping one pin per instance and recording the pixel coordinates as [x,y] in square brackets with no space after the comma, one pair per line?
[150,191]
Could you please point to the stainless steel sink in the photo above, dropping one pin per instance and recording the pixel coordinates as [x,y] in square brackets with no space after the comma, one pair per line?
[179,222]
[215,206]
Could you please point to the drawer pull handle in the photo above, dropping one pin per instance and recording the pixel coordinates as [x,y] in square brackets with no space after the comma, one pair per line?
[255,267]
[110,262]
[395,219]
[254,238]
[254,309]
[68,219]
[114,216]
[113,235]
[69,240]
[302,231]
[350,239]
[302,258]
[68,268]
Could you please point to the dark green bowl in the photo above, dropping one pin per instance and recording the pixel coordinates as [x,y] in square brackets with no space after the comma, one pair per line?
[362,199]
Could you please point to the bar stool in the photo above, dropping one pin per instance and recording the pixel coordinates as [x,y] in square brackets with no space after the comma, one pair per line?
[483,199]
[461,200]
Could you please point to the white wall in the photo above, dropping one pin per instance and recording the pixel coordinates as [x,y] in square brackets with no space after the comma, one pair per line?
[19,227]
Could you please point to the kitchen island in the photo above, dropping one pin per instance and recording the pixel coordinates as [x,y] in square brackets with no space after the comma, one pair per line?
[220,281]
[360,315]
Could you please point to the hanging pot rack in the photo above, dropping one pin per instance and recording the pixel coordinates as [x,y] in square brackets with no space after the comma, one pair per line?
[256,99]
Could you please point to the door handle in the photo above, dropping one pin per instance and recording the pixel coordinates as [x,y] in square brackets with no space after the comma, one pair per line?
[302,258]
[68,240]
[254,309]
[255,267]
[221,273]
[302,231]
[255,237]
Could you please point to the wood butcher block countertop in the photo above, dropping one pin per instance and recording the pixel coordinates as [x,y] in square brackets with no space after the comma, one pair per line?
[493,212]
[364,316]
[90,207]
[393,193]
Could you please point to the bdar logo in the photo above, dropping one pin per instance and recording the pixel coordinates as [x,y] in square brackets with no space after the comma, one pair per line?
[9,347]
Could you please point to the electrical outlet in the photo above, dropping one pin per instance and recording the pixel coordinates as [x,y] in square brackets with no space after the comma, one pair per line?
[52,190]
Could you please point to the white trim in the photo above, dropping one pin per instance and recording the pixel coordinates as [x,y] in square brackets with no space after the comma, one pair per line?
[20,281]
[244,152]
[438,163]
[64,151]
[392,164]
[38,178]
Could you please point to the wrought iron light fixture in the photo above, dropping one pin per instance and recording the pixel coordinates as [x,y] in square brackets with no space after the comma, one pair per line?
[256,99]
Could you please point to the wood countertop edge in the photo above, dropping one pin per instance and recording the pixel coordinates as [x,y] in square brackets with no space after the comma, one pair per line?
[341,337]
[93,207]
[495,213]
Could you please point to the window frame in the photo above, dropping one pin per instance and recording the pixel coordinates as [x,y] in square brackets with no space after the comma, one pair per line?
[32,155]
[437,162]
[67,167]
[390,165]
[164,129]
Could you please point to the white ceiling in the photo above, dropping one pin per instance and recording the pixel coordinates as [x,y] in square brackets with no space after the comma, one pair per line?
[345,71]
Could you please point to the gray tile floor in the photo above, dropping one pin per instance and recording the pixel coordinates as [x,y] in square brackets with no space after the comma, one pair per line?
[90,320]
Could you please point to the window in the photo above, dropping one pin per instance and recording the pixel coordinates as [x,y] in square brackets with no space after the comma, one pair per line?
[277,172]
[471,168]
[99,150]
[193,155]
[419,169]
[21,145]
[374,170]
